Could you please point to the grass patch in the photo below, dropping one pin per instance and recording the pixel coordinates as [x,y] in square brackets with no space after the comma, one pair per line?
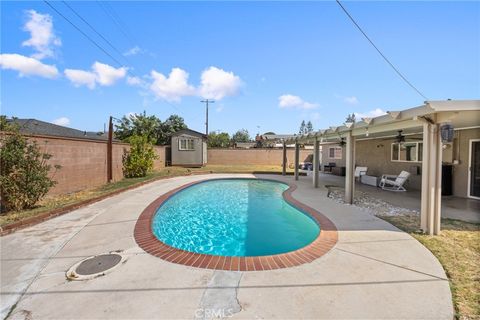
[56,202]
[458,250]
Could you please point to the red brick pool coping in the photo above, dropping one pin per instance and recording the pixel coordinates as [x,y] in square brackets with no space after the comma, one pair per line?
[325,241]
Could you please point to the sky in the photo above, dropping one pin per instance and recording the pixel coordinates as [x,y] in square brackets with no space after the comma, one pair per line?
[267,65]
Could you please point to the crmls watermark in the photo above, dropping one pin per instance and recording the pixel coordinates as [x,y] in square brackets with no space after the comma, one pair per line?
[213,313]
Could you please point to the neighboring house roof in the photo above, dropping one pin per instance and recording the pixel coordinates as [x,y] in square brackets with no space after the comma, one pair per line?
[38,127]
[245,145]
[190,132]
[277,136]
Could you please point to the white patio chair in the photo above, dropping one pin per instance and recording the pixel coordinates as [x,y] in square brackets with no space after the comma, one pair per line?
[394,183]
[360,171]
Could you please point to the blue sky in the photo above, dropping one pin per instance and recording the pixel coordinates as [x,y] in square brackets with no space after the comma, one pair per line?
[268,65]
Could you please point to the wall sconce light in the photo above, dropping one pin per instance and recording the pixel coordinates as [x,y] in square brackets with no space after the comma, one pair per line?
[446,132]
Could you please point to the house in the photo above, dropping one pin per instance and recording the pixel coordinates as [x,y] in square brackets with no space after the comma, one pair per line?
[438,143]
[188,148]
[245,145]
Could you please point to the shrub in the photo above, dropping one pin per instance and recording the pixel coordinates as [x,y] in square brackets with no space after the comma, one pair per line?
[139,160]
[24,172]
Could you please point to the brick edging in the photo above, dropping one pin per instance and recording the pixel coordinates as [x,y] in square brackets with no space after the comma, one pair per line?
[31,221]
[146,240]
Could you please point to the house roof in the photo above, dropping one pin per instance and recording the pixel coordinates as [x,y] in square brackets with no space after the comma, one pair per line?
[190,132]
[277,137]
[38,127]
[245,144]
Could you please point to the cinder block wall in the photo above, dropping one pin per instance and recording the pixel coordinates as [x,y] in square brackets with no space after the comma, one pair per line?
[272,157]
[84,162]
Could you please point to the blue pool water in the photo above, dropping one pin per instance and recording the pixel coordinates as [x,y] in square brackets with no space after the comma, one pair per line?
[233,217]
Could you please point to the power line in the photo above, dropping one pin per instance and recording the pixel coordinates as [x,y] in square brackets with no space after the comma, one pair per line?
[99,46]
[84,34]
[380,52]
[94,30]
[116,20]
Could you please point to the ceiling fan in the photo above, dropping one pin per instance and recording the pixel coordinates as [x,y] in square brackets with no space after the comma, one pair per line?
[400,137]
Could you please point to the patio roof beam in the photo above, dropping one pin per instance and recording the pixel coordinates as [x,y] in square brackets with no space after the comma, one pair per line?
[350,169]
[297,159]
[431,199]
[316,161]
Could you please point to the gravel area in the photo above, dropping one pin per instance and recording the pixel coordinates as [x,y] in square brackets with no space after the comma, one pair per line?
[370,204]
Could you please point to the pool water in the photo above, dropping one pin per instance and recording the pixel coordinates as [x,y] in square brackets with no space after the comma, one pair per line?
[233,217]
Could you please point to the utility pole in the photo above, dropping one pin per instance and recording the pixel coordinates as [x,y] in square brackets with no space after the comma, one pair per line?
[109,150]
[206,113]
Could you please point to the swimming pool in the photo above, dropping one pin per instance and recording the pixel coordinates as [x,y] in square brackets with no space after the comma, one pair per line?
[233,217]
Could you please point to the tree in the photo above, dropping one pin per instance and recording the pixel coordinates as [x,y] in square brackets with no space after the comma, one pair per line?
[173,124]
[218,140]
[139,159]
[241,136]
[309,127]
[302,128]
[24,171]
[156,131]
[138,124]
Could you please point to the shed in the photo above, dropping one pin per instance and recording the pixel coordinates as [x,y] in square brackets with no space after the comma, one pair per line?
[189,148]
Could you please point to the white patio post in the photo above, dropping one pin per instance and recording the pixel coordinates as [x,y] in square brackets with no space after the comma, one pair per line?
[316,157]
[350,168]
[284,162]
[297,160]
[431,202]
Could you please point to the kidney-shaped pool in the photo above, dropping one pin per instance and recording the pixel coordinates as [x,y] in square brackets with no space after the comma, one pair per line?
[233,217]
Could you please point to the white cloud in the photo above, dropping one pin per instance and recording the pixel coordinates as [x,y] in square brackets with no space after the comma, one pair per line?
[217,84]
[351,100]
[288,101]
[102,74]
[108,75]
[81,78]
[133,51]
[370,114]
[27,66]
[62,121]
[173,87]
[42,35]
[134,81]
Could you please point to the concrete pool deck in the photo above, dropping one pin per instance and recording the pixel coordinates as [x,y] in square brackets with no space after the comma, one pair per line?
[374,271]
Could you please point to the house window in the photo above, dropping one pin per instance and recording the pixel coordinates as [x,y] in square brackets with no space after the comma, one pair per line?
[186,144]
[335,152]
[407,151]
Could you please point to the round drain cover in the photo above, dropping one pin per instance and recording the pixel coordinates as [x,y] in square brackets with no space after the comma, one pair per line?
[94,266]
[98,264]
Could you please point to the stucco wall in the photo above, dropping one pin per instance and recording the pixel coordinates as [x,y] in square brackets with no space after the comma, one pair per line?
[187,157]
[272,157]
[84,162]
[376,155]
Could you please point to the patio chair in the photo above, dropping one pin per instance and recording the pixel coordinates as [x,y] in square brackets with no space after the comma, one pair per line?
[394,183]
[360,171]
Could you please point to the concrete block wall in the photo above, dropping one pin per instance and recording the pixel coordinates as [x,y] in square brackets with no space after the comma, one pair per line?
[84,162]
[272,157]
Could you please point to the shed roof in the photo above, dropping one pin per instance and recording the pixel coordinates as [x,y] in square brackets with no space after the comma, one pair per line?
[190,132]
